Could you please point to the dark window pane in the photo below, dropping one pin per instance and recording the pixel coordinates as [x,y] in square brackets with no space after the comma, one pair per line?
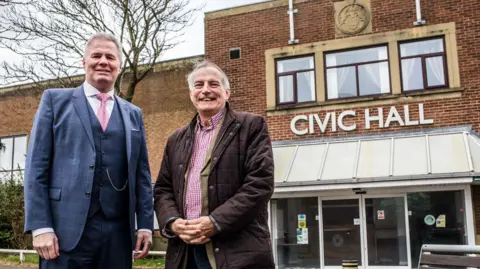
[295,64]
[356,56]
[374,78]
[452,231]
[341,82]
[20,152]
[296,247]
[6,154]
[341,232]
[421,47]
[285,87]
[412,76]
[435,72]
[306,86]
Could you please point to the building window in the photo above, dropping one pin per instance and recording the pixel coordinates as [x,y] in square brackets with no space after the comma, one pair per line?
[423,65]
[360,72]
[295,80]
[13,152]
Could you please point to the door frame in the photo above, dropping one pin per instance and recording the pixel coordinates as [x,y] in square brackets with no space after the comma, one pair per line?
[320,225]
[407,229]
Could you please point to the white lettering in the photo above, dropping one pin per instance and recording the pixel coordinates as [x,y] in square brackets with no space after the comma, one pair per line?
[408,122]
[421,116]
[378,118]
[293,124]
[334,121]
[340,120]
[393,115]
[321,124]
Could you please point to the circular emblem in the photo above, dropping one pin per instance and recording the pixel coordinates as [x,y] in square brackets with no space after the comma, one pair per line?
[429,220]
[337,240]
[353,19]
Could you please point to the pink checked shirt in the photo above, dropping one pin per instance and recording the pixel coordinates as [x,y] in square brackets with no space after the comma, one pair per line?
[203,139]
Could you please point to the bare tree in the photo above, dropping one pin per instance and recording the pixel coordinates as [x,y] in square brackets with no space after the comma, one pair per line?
[50,35]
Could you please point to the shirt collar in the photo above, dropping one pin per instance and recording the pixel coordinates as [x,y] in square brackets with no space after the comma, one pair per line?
[214,121]
[92,91]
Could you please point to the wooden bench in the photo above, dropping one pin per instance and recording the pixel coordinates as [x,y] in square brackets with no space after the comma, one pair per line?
[449,256]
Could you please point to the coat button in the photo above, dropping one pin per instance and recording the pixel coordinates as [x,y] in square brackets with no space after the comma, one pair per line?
[215,158]
[181,166]
[91,166]
[87,193]
[211,187]
[217,250]
[230,134]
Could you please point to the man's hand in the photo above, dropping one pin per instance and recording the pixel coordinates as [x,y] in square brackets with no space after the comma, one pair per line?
[46,246]
[143,239]
[197,231]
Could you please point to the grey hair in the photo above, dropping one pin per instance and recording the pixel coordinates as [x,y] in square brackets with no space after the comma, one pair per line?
[205,64]
[104,36]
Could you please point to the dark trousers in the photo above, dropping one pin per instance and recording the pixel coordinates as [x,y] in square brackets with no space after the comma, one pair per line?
[197,257]
[105,244]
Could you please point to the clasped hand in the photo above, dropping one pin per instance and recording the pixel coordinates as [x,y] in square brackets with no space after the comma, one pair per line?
[196,231]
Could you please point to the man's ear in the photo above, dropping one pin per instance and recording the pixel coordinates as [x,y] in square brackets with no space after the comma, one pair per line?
[83,62]
[227,92]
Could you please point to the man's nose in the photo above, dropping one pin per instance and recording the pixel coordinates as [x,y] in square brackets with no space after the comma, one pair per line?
[206,88]
[103,60]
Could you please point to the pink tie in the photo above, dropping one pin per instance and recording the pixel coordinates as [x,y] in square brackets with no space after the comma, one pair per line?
[102,110]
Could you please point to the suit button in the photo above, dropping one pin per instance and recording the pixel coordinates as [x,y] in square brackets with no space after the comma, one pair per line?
[211,187]
[104,137]
[217,250]
[91,166]
[215,158]
[101,184]
[181,166]
[87,193]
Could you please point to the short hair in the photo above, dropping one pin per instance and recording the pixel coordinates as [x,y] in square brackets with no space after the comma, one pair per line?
[104,36]
[205,64]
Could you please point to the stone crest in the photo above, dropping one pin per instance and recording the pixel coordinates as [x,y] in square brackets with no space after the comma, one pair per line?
[352,18]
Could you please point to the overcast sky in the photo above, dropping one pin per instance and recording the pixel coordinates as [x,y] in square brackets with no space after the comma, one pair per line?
[194,42]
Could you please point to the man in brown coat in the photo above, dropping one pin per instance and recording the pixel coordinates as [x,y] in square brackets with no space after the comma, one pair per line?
[216,179]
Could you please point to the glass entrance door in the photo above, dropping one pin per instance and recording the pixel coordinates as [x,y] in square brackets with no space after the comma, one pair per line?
[371,230]
[386,232]
[342,235]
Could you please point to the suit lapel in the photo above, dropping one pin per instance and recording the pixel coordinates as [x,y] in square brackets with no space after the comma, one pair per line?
[81,107]
[125,110]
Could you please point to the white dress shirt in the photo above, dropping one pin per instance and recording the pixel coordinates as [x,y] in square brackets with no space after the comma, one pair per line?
[91,94]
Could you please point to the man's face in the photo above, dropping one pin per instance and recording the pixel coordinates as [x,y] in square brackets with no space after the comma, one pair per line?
[208,95]
[102,64]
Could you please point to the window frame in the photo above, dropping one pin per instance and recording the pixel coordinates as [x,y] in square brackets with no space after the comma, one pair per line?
[423,58]
[295,86]
[356,65]
[13,168]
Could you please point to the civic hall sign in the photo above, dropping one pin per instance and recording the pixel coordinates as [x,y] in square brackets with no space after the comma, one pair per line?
[337,121]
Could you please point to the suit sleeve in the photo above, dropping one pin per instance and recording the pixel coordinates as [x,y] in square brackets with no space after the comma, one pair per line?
[144,206]
[164,193]
[258,184]
[38,167]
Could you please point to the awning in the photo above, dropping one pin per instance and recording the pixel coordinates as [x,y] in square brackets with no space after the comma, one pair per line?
[434,154]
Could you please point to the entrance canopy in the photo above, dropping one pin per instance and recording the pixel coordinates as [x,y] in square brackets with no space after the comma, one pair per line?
[434,154]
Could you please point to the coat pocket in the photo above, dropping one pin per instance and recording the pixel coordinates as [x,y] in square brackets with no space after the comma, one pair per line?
[54,193]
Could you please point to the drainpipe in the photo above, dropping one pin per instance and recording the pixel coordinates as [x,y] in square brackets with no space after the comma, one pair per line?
[290,12]
[419,14]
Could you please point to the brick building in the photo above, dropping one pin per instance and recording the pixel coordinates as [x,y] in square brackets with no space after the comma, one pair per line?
[374,122]
[374,113]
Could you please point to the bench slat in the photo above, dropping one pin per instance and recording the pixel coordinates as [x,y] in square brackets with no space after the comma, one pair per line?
[452,260]
[429,267]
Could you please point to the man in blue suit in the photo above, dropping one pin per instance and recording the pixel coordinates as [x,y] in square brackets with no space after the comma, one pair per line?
[87,176]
